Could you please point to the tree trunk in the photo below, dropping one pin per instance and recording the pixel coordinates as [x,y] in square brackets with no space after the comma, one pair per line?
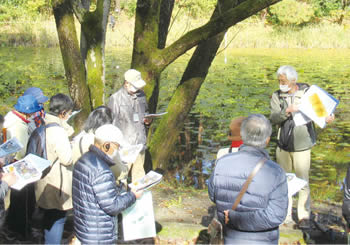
[185,95]
[72,60]
[93,37]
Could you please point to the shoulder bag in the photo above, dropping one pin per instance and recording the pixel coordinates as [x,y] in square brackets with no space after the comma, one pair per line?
[215,229]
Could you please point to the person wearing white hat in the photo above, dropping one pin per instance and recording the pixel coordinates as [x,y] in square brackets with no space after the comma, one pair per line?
[97,199]
[129,107]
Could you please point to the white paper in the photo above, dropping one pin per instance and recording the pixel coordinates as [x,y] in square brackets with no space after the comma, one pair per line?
[155,115]
[129,153]
[318,111]
[73,114]
[138,220]
[10,146]
[27,170]
[147,181]
[295,184]
[300,119]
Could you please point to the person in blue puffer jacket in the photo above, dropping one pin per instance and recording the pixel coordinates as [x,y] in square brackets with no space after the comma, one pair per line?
[263,207]
[97,200]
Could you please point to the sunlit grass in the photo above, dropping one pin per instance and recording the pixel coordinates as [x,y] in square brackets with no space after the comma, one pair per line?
[251,33]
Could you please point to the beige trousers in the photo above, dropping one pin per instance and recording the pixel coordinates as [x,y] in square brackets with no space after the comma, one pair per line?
[300,162]
[137,170]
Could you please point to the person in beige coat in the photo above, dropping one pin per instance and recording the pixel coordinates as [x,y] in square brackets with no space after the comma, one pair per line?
[54,191]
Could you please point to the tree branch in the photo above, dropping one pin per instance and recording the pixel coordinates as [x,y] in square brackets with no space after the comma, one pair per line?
[227,19]
[80,9]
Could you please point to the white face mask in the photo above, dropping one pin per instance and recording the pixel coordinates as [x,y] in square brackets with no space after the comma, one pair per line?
[31,118]
[115,157]
[133,89]
[284,88]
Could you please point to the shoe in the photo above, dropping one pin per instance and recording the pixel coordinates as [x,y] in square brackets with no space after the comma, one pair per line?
[304,224]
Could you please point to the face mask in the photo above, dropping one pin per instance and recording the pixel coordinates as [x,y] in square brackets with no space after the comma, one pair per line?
[133,89]
[284,88]
[115,157]
[31,118]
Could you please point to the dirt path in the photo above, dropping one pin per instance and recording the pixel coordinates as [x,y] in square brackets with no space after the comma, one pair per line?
[183,214]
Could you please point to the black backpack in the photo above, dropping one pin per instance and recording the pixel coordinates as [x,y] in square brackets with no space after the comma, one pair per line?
[286,138]
[37,143]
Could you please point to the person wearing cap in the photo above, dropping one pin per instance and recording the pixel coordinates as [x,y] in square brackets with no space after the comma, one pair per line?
[234,136]
[16,125]
[97,199]
[129,107]
[16,121]
[38,118]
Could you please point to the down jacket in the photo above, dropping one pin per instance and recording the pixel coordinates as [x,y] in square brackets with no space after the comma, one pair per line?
[97,200]
[346,200]
[263,207]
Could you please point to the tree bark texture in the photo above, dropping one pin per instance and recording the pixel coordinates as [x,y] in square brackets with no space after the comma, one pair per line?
[184,97]
[72,60]
[93,36]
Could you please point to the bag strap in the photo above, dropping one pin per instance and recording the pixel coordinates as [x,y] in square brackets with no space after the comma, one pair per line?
[4,135]
[81,146]
[247,182]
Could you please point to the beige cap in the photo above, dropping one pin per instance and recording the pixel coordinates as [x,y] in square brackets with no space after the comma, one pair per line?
[134,77]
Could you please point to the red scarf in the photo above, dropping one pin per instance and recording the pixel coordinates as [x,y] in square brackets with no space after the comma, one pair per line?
[20,116]
[236,143]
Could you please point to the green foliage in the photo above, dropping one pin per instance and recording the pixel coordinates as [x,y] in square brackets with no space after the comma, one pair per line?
[195,8]
[24,9]
[325,8]
[128,7]
[291,12]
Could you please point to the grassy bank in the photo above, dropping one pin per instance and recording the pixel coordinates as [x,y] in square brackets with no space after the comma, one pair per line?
[251,33]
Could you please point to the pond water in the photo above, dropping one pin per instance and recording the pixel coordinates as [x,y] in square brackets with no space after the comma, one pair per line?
[240,86]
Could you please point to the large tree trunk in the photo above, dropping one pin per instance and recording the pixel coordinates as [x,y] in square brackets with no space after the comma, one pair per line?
[182,101]
[72,60]
[93,36]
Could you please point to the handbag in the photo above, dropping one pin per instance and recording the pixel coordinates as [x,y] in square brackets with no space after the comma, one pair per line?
[215,229]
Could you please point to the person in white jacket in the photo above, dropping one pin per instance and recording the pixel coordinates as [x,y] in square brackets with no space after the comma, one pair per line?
[16,121]
[16,125]
[102,115]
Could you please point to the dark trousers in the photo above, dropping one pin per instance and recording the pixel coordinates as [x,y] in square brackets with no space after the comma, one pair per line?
[22,205]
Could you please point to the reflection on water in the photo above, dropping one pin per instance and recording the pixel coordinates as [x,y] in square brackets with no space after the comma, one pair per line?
[241,86]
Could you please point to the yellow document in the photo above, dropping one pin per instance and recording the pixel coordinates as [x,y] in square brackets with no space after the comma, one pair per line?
[317,105]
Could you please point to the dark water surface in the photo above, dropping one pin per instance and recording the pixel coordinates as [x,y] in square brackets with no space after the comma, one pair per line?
[240,86]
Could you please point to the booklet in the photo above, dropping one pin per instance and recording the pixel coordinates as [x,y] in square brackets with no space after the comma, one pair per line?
[294,184]
[138,220]
[129,153]
[28,170]
[11,146]
[150,179]
[155,115]
[317,104]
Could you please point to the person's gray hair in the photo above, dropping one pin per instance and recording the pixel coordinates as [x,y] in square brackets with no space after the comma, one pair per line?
[255,130]
[290,73]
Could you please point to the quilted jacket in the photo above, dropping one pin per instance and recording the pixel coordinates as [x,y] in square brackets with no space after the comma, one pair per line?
[264,205]
[97,200]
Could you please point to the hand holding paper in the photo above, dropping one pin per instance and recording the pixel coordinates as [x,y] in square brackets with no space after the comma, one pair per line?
[316,105]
